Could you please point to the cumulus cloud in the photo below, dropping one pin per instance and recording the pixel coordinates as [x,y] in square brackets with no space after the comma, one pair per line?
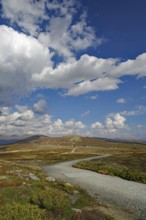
[59,31]
[97,126]
[65,39]
[21,108]
[87,74]
[15,118]
[121,101]
[20,57]
[101,84]
[140,110]
[4,111]
[111,127]
[115,122]
[26,115]
[131,67]
[26,63]
[40,107]
[25,122]
[80,76]
[67,128]
[27,14]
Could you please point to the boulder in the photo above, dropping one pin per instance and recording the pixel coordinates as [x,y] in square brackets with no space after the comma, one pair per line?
[50,179]
[68,184]
[33,177]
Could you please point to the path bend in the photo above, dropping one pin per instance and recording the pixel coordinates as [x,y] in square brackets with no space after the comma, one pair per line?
[111,190]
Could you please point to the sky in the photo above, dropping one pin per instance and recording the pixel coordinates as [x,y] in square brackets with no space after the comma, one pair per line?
[73,68]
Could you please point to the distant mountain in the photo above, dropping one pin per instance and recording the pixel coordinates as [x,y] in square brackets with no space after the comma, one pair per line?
[5,142]
[12,140]
[33,138]
[123,141]
[127,141]
[43,142]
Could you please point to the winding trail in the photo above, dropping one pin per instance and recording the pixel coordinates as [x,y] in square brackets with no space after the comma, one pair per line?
[110,190]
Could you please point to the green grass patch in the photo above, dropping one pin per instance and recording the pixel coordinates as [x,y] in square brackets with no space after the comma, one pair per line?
[17,211]
[114,170]
[27,199]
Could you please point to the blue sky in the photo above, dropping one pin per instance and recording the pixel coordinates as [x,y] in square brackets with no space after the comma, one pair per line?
[73,68]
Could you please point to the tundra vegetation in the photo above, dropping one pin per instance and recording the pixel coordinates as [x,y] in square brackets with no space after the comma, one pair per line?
[27,194]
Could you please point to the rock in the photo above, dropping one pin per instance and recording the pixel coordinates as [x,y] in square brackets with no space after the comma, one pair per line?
[50,179]
[73,198]
[77,210]
[10,172]
[18,171]
[33,177]
[3,177]
[90,213]
[68,184]
[75,192]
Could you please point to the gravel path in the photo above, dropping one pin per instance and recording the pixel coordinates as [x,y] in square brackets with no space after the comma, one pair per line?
[107,189]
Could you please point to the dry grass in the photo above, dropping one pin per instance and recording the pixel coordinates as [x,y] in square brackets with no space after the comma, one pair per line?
[51,150]
[20,195]
[133,161]
[17,160]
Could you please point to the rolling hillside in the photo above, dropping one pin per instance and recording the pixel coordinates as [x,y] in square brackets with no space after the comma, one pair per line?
[44,142]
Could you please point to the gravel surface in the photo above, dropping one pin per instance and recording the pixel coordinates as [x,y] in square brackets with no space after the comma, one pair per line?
[110,190]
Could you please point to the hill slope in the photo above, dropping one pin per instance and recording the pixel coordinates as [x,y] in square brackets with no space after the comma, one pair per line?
[44,142]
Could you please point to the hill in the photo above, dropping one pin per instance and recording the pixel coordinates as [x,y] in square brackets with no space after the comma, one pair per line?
[45,142]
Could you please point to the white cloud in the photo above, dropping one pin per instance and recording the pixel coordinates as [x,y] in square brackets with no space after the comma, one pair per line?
[131,67]
[26,123]
[85,114]
[93,97]
[63,7]
[87,74]
[21,108]
[65,38]
[80,76]
[140,110]
[121,101]
[12,118]
[97,125]
[27,14]
[20,57]
[112,126]
[101,84]
[115,122]
[40,107]
[4,111]
[26,64]
[27,115]
[62,32]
